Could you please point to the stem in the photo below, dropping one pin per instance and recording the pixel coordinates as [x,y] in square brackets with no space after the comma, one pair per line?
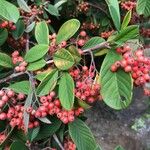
[11,76]
[58,142]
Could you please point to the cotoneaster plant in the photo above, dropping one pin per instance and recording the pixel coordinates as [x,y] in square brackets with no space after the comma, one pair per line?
[49,75]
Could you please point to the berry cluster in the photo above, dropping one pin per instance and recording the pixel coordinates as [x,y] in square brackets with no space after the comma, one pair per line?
[15,111]
[90,26]
[83,38]
[106,34]
[83,7]
[86,89]
[128,5]
[50,105]
[145,32]
[53,46]
[17,44]
[134,62]
[18,60]
[7,24]
[69,145]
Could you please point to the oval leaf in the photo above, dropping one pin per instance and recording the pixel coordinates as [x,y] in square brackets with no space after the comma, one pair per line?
[66,91]
[63,59]
[114,12]
[3,36]
[81,135]
[21,87]
[42,33]
[36,65]
[119,83]
[17,145]
[52,10]
[36,52]
[5,60]
[23,5]
[67,30]
[9,11]
[48,83]
[30,27]
[130,32]
[19,29]
[126,19]
[143,7]
[92,42]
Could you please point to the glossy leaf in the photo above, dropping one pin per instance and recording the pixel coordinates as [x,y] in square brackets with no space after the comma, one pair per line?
[81,135]
[67,30]
[42,33]
[66,91]
[52,10]
[75,54]
[9,11]
[19,29]
[36,53]
[23,5]
[3,36]
[126,19]
[130,32]
[60,3]
[63,59]
[83,104]
[30,27]
[119,83]
[5,61]
[17,145]
[32,134]
[48,83]
[143,7]
[48,130]
[92,42]
[36,65]
[20,87]
[113,6]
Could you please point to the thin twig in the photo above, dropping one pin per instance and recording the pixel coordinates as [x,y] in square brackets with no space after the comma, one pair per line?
[58,142]
[11,76]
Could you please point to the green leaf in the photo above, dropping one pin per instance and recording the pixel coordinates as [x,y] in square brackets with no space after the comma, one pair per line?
[67,30]
[5,60]
[48,130]
[59,3]
[92,42]
[30,27]
[36,53]
[83,104]
[32,134]
[66,91]
[75,54]
[20,87]
[52,10]
[119,148]
[119,83]
[17,145]
[19,29]
[81,135]
[3,36]
[45,120]
[130,32]
[23,5]
[126,19]
[98,148]
[48,83]
[42,75]
[63,59]
[42,33]
[36,65]
[143,7]
[9,11]
[101,52]
[113,6]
